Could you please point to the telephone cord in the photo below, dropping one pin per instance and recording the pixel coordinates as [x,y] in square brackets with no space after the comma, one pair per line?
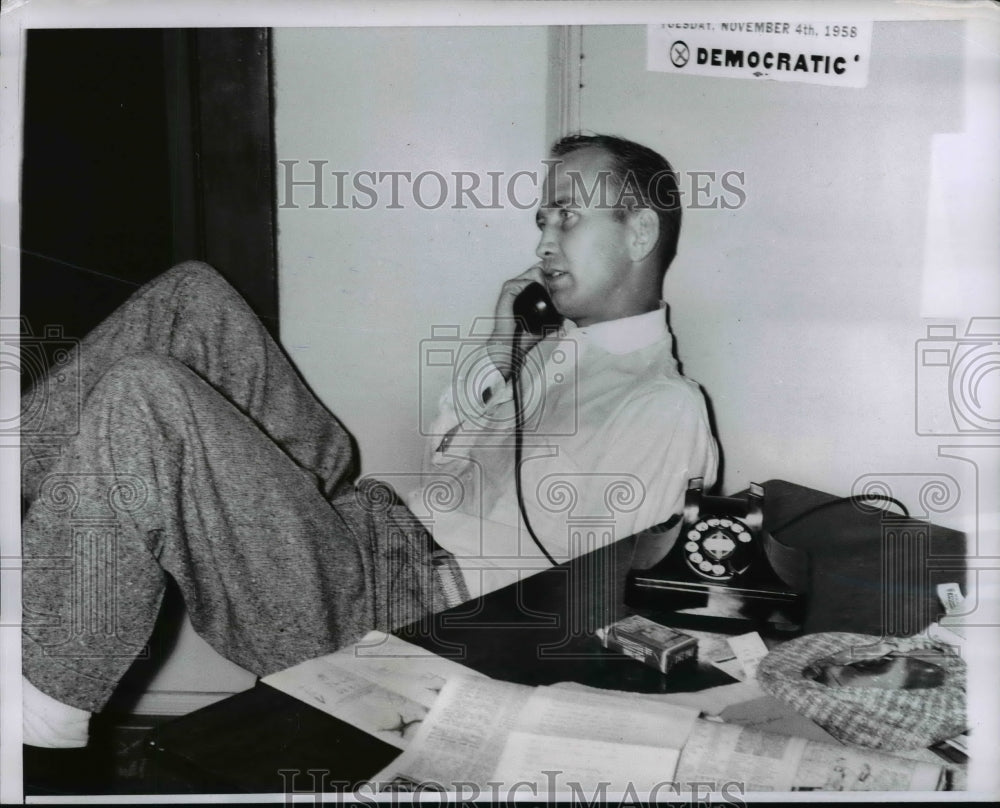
[517,359]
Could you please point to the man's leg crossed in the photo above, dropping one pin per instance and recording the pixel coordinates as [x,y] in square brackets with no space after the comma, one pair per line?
[167,477]
[191,314]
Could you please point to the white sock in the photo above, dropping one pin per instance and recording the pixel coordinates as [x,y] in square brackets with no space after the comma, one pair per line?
[51,724]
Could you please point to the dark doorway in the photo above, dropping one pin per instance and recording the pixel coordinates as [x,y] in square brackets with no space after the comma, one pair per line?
[143,148]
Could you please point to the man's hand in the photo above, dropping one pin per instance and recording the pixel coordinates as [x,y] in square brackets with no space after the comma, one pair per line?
[504,326]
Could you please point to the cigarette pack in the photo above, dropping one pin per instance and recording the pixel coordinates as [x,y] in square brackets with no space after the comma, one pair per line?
[655,645]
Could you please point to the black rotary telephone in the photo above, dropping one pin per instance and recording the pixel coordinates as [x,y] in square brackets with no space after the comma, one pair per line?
[724,566]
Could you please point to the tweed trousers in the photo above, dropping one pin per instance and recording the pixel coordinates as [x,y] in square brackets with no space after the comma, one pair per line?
[177,440]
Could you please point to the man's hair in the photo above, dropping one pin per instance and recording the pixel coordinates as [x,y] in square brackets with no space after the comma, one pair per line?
[641,178]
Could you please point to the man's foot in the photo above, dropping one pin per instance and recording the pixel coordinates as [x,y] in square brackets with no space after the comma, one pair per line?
[58,758]
[49,723]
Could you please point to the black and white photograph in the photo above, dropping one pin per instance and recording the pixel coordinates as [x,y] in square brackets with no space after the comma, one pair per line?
[485,401]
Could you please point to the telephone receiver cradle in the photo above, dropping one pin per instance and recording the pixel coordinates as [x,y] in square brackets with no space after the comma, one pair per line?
[725,572]
[534,309]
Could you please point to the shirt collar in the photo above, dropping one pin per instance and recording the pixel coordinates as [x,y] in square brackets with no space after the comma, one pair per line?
[626,334]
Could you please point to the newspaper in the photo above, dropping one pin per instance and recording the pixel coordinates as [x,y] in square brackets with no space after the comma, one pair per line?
[573,739]
[764,761]
[462,737]
[710,701]
[459,729]
[589,739]
[382,685]
[488,733]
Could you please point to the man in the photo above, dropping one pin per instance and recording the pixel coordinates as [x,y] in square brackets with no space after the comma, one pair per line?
[209,461]
[618,428]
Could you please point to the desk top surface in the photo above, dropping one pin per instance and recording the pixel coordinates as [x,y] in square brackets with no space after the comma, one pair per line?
[541,631]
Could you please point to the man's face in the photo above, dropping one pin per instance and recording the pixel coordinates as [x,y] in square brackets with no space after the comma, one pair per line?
[583,247]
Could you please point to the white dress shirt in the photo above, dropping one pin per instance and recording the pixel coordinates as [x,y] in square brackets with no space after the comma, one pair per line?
[612,434]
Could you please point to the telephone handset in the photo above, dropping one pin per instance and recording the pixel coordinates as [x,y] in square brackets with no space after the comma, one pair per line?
[724,564]
[535,313]
[534,308]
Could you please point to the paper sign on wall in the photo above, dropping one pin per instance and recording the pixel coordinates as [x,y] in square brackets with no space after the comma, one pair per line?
[832,53]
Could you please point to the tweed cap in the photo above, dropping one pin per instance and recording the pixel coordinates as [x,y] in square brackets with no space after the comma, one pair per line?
[880,716]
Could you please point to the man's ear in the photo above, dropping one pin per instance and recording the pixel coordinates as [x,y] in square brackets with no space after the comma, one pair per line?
[644,232]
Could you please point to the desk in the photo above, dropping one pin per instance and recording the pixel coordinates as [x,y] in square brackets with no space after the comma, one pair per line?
[869,573]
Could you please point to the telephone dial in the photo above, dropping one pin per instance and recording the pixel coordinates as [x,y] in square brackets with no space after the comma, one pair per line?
[724,568]
[718,548]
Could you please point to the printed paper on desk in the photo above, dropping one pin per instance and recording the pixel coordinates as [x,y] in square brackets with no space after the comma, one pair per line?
[763,761]
[572,765]
[606,716]
[587,737]
[463,735]
[768,763]
[750,650]
[711,701]
[482,731]
[824,767]
[731,667]
[382,685]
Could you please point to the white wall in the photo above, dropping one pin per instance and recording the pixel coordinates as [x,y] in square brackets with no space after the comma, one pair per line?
[360,290]
[799,312]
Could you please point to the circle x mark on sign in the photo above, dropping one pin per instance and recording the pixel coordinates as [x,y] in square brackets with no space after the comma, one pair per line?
[679,53]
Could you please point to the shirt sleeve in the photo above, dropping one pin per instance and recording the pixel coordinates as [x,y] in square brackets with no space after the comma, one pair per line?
[461,410]
[635,478]
[490,554]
